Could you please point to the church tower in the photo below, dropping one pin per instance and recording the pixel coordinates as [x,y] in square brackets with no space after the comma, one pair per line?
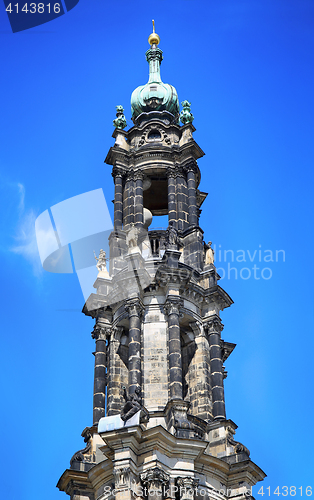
[159,420]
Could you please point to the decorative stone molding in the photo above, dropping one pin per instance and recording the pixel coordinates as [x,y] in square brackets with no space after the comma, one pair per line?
[194,295]
[173,305]
[190,167]
[238,447]
[166,274]
[154,478]
[176,171]
[138,175]
[130,175]
[170,172]
[134,307]
[197,328]
[213,325]
[145,135]
[116,333]
[122,477]
[83,455]
[117,172]
[187,487]
[101,332]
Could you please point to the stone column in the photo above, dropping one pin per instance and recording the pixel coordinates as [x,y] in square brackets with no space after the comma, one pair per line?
[114,373]
[128,199]
[154,483]
[117,174]
[139,218]
[187,487]
[99,334]
[214,328]
[199,374]
[172,306]
[181,205]
[193,218]
[172,206]
[134,308]
[185,203]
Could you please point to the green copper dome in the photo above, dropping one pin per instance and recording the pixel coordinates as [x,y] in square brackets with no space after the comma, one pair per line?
[155,95]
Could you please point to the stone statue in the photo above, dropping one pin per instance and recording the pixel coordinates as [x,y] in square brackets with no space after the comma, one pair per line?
[171,236]
[132,239]
[101,261]
[209,254]
[120,121]
[133,404]
[186,115]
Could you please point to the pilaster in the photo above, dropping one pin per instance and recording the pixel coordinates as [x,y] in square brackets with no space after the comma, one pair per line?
[134,308]
[214,327]
[199,375]
[117,174]
[117,373]
[172,308]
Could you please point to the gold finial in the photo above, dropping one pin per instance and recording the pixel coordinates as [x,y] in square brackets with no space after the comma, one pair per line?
[153,38]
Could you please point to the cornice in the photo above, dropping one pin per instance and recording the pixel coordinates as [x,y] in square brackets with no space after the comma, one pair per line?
[217,295]
[184,154]
[73,478]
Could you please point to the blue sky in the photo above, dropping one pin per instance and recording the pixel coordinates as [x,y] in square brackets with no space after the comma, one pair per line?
[247,68]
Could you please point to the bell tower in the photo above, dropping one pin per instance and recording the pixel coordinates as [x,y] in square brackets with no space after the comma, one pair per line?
[159,420]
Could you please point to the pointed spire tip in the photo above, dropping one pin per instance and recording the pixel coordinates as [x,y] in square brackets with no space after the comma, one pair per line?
[153,38]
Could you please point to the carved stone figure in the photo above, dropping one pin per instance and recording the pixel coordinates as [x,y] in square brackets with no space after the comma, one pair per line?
[120,121]
[132,239]
[84,454]
[133,404]
[101,261]
[209,255]
[171,236]
[186,115]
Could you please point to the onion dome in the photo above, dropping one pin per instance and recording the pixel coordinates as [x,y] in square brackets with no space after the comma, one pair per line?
[155,95]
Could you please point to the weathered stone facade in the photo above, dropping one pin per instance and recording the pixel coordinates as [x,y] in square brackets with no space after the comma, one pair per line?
[158,334]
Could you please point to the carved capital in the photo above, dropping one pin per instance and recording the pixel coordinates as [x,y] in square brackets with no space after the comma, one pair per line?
[101,332]
[213,325]
[117,172]
[175,171]
[130,175]
[138,175]
[187,487]
[170,172]
[154,478]
[122,477]
[179,172]
[134,307]
[173,305]
[190,167]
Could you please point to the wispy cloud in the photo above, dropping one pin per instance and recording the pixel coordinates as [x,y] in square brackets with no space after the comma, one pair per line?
[18,227]
[21,190]
[25,241]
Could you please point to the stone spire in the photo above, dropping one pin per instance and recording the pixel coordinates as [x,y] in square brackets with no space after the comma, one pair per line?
[159,411]
[155,95]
